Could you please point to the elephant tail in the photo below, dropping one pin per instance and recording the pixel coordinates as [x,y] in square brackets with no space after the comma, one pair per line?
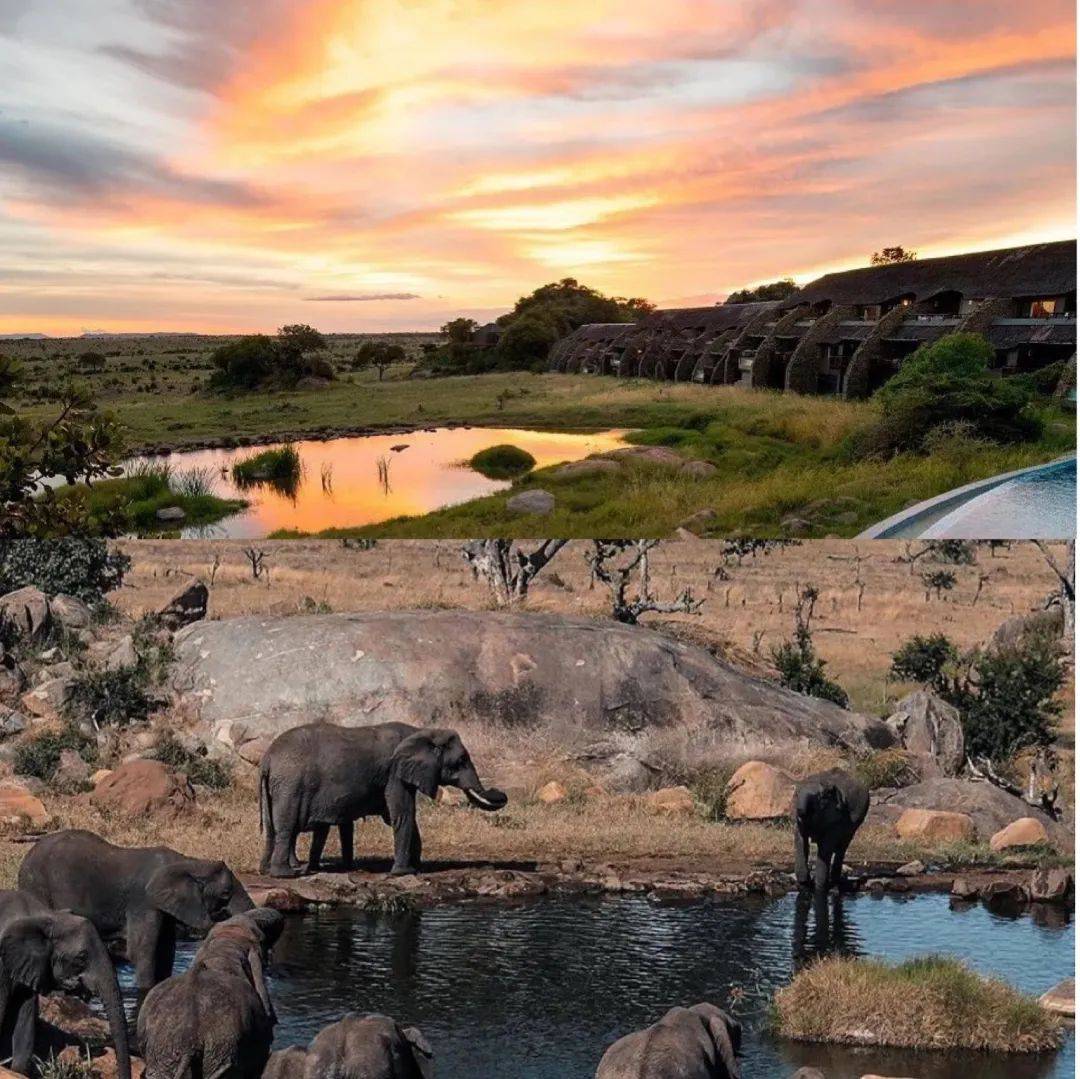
[265,820]
[190,1067]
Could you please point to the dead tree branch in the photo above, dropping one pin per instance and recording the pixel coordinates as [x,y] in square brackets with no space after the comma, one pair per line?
[508,569]
[628,609]
[1044,800]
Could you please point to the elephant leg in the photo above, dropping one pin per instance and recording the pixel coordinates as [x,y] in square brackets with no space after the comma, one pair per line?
[283,860]
[319,832]
[802,852]
[822,865]
[142,947]
[401,803]
[22,1036]
[345,830]
[837,876]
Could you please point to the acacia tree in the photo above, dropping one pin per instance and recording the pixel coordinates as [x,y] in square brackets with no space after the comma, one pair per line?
[378,354]
[1065,572]
[888,255]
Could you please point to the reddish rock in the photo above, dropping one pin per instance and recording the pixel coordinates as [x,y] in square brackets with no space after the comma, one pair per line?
[1004,892]
[1061,999]
[551,792]
[758,791]
[1025,832]
[935,825]
[671,802]
[20,808]
[144,787]
[1050,885]
[27,610]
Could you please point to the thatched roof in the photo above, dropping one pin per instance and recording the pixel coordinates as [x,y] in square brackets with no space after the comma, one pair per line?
[1036,270]
[715,319]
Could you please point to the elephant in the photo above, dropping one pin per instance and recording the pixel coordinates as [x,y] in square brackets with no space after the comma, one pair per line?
[828,808]
[135,896]
[700,1042]
[42,951]
[320,774]
[216,1018]
[286,1064]
[369,1047]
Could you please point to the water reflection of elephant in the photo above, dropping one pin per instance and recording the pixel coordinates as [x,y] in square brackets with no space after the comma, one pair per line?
[831,934]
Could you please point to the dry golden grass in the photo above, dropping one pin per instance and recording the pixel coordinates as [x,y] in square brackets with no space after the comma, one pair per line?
[928,1003]
[869,602]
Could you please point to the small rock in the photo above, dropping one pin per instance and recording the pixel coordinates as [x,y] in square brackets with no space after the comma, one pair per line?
[46,700]
[72,772]
[551,792]
[188,604]
[809,1073]
[1061,1000]
[758,791]
[28,611]
[699,521]
[19,807]
[278,898]
[698,469]
[71,612]
[56,670]
[170,513]
[536,501]
[11,722]
[671,802]
[1025,832]
[123,655]
[1050,885]
[1004,893]
[233,734]
[252,750]
[935,825]
[911,869]
[99,775]
[796,526]
[963,888]
[452,796]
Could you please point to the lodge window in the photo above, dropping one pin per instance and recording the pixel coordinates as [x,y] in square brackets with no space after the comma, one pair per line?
[1045,308]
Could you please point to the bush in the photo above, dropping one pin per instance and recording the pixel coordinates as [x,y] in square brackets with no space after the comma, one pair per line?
[799,666]
[84,568]
[946,383]
[198,768]
[887,768]
[110,698]
[502,462]
[924,660]
[39,754]
[709,786]
[260,361]
[279,467]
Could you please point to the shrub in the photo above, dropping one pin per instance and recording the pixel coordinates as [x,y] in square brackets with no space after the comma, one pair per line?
[110,698]
[924,660]
[502,462]
[709,786]
[259,361]
[199,768]
[950,382]
[799,665]
[39,754]
[280,467]
[887,768]
[84,568]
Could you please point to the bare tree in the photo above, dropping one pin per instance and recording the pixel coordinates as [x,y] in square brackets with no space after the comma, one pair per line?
[1066,575]
[257,559]
[508,569]
[1042,763]
[601,559]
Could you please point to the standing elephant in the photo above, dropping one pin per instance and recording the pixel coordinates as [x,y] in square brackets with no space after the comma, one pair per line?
[828,809]
[320,775]
[216,1018]
[288,1063]
[134,896]
[42,951]
[368,1047]
[700,1042]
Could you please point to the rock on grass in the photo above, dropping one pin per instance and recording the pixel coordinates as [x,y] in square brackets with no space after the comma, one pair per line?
[932,1002]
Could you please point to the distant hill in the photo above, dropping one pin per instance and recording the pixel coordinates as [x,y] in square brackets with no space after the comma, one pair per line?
[24,337]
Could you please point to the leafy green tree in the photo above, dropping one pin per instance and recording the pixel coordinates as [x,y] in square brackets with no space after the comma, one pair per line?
[379,355]
[92,361]
[527,340]
[569,304]
[259,361]
[774,290]
[79,443]
[947,383]
[889,255]
[460,330]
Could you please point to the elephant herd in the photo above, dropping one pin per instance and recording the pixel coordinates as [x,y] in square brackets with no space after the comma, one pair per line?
[81,899]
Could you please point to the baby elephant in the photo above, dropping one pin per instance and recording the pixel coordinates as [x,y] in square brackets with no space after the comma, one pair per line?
[42,951]
[688,1043]
[828,809]
[216,1018]
[357,1047]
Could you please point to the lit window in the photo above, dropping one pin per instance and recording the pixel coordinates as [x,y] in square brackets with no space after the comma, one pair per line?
[1044,308]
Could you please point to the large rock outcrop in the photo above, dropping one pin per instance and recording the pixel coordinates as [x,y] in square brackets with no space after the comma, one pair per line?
[581,680]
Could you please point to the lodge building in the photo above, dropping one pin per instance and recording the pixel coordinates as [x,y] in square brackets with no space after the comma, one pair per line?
[847,333]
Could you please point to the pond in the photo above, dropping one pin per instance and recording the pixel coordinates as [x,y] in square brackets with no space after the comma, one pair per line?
[363,480]
[538,990]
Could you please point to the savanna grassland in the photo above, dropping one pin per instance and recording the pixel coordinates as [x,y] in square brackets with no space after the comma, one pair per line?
[778,458]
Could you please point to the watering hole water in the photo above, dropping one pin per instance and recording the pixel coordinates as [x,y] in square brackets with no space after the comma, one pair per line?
[367,479]
[539,990]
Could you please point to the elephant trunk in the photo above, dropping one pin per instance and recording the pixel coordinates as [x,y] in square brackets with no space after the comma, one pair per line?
[489,800]
[102,979]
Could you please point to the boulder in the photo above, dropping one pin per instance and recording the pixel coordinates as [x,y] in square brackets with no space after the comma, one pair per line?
[100,774]
[698,469]
[580,680]
[144,788]
[72,772]
[1050,885]
[1025,832]
[252,750]
[1015,630]
[796,526]
[808,1073]
[11,722]
[671,802]
[653,455]
[28,611]
[20,808]
[758,791]
[590,466]
[48,699]
[123,655]
[71,612]
[963,888]
[188,604]
[936,826]
[990,807]
[536,501]
[1061,1000]
[931,729]
[699,522]
[551,792]
[1004,893]
[911,869]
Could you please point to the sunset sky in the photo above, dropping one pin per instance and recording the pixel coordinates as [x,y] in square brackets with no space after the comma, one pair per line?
[233,165]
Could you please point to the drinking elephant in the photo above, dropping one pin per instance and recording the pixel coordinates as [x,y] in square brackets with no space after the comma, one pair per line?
[42,951]
[700,1042]
[288,1063]
[367,1047]
[216,1018]
[320,775]
[828,809]
[135,896]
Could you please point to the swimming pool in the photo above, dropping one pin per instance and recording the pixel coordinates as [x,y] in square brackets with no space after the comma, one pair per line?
[1032,503]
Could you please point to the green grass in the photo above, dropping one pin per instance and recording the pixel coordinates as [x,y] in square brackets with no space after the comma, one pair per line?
[931,1002]
[138,497]
[280,467]
[502,462]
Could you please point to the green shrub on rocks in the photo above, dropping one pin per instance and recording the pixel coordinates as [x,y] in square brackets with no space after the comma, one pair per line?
[280,468]
[84,568]
[39,755]
[502,462]
[110,698]
[931,1002]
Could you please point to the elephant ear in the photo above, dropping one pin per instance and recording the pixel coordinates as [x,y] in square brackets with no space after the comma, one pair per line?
[26,955]
[175,891]
[725,1033]
[421,1051]
[417,762]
